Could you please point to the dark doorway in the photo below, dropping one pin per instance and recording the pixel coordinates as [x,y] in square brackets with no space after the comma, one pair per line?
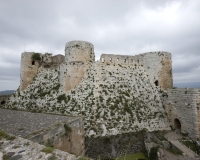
[33,62]
[177,124]
[156,82]
[3,102]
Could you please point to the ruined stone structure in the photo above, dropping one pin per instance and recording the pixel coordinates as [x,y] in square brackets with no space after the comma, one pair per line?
[158,65]
[29,67]
[117,94]
[183,109]
[4,98]
[79,56]
[71,141]
[63,132]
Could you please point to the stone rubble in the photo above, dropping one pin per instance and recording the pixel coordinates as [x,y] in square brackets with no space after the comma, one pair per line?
[24,149]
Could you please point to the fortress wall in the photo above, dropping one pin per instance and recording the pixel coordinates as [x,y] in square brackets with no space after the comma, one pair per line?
[58,59]
[79,55]
[79,51]
[182,104]
[28,70]
[4,98]
[159,68]
[72,74]
[47,57]
[65,140]
[198,109]
[157,64]
[120,59]
[49,61]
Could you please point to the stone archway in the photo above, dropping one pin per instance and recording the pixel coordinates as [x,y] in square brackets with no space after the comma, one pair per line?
[177,124]
[3,102]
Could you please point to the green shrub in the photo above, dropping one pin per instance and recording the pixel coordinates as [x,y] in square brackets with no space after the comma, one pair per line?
[6,136]
[62,98]
[83,158]
[153,153]
[6,157]
[36,56]
[192,145]
[47,149]
[106,140]
[56,87]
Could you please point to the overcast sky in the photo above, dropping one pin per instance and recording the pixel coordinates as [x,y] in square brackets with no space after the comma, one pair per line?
[112,26]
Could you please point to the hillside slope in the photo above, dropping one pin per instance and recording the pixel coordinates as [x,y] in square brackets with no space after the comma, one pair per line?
[113,99]
[7,92]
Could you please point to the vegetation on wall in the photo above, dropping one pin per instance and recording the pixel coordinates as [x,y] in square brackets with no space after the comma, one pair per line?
[123,96]
[36,56]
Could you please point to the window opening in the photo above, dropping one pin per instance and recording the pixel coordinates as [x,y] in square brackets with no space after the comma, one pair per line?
[33,62]
[156,82]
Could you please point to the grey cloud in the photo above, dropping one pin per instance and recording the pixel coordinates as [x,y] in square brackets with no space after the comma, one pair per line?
[9,73]
[118,27]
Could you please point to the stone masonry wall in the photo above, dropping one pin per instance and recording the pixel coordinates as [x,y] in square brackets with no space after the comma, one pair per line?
[183,104]
[72,74]
[116,95]
[159,68]
[29,69]
[157,65]
[63,132]
[4,99]
[49,61]
[63,139]
[79,51]
[78,58]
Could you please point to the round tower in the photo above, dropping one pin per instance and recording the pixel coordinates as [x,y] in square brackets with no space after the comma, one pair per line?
[29,68]
[79,51]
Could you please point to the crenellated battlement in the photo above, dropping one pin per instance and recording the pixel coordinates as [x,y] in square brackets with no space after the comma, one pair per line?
[118,94]
[157,64]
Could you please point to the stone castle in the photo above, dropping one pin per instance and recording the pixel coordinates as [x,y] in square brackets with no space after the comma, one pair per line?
[117,94]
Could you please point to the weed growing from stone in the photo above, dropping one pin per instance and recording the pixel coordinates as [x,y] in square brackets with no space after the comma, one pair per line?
[47,149]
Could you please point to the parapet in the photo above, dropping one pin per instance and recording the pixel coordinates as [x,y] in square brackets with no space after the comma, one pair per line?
[158,65]
[79,51]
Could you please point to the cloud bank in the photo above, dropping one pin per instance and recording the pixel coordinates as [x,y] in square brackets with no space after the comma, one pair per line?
[116,27]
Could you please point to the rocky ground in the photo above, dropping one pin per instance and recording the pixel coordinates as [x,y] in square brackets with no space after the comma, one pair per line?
[15,148]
